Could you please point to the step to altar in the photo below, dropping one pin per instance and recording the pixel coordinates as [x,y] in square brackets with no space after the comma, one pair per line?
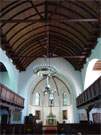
[50,130]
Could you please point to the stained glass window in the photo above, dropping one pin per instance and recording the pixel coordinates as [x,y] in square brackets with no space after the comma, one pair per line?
[65,99]
[37,99]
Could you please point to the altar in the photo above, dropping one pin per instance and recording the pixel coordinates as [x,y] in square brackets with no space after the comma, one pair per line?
[51,119]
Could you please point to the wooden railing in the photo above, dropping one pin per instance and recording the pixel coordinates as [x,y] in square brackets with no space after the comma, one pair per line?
[91,93]
[11,97]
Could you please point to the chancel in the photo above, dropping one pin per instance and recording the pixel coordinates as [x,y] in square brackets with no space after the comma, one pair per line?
[50,67]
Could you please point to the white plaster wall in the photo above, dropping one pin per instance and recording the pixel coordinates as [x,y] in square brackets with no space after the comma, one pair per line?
[65,70]
[12,80]
[89,76]
[4,78]
[62,66]
[82,114]
[94,110]
[58,101]
[58,95]
[23,82]
[69,113]
[56,111]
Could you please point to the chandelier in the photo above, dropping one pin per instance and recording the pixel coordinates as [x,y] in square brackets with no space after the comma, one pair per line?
[46,72]
[48,90]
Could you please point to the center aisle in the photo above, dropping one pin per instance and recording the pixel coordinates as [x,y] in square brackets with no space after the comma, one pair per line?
[49,130]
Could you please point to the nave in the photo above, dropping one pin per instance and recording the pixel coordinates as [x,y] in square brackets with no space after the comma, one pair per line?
[50,67]
[59,129]
[31,126]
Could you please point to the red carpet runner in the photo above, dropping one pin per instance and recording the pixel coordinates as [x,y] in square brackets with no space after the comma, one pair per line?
[50,130]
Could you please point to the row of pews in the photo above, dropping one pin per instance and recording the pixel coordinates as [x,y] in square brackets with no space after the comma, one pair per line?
[38,129]
[79,129]
[20,129]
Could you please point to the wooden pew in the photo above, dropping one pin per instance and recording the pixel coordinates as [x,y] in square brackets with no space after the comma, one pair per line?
[85,129]
[20,129]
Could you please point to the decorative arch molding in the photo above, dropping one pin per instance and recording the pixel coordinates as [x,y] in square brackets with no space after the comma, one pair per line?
[54,80]
[72,75]
[35,80]
[12,72]
[66,73]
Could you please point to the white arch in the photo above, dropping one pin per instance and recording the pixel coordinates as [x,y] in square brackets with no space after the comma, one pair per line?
[66,70]
[12,72]
[91,75]
[67,73]
[95,54]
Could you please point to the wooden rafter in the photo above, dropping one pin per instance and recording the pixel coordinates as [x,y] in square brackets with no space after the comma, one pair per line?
[32,29]
[39,20]
[32,3]
[5,46]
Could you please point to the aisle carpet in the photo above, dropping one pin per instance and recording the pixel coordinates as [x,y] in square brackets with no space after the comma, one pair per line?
[50,130]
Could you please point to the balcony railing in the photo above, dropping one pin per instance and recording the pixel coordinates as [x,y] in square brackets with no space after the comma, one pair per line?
[91,93]
[11,97]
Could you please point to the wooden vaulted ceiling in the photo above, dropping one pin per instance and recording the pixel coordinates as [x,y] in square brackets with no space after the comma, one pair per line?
[34,28]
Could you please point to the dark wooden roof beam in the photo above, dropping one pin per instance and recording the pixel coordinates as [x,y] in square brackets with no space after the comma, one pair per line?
[91,42]
[5,46]
[64,56]
[32,3]
[46,12]
[70,57]
[40,20]
[86,51]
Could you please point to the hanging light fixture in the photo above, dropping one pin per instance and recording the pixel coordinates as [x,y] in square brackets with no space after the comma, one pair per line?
[47,85]
[46,71]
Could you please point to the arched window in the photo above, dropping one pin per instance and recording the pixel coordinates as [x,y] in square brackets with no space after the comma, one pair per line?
[65,99]
[37,99]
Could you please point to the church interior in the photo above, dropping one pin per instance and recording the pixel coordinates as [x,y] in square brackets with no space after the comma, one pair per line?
[50,67]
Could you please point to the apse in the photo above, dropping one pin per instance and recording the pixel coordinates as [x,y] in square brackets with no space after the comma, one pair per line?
[40,101]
